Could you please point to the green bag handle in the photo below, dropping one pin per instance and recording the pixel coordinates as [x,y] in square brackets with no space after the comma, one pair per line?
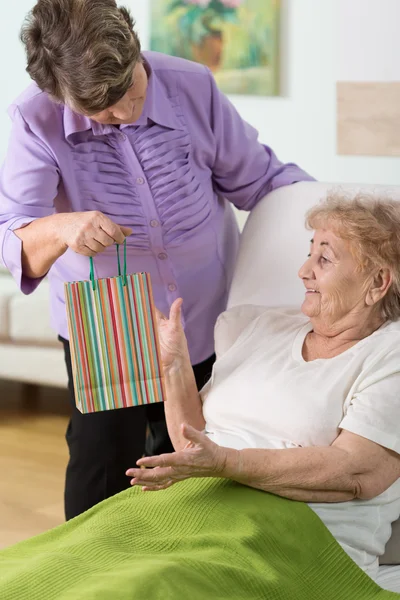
[92,276]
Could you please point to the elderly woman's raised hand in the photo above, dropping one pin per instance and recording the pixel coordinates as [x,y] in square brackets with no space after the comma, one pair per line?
[173,344]
[200,458]
[89,233]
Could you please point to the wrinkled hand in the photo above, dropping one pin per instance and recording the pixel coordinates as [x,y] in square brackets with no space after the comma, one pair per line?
[173,344]
[89,233]
[200,458]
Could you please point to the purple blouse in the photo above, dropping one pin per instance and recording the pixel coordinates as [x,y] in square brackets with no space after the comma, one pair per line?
[170,176]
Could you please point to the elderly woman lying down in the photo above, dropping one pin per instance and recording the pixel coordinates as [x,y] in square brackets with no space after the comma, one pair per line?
[302,412]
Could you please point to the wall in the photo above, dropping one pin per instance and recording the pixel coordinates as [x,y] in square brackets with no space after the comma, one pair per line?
[322,43]
[13,78]
[368,51]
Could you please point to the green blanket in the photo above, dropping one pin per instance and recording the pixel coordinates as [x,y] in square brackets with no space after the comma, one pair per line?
[201,539]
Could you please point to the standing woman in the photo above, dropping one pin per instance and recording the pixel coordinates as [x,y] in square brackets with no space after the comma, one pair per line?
[111,143]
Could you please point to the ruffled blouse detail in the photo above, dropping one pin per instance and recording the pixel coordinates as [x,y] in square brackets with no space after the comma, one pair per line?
[106,180]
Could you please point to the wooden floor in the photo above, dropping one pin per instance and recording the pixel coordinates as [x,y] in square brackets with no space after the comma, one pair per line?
[33,456]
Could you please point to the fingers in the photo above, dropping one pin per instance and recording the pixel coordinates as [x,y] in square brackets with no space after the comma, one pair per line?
[157,476]
[127,231]
[157,488]
[103,238]
[90,232]
[85,251]
[113,230]
[162,483]
[175,312]
[160,316]
[98,240]
[95,246]
[162,460]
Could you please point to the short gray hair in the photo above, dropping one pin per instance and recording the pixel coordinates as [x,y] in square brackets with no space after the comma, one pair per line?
[371,225]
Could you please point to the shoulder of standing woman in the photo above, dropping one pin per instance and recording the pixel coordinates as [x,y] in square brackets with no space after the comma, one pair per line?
[32,102]
[166,64]
[33,112]
[191,82]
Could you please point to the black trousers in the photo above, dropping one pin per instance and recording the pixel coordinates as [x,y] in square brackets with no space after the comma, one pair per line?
[102,446]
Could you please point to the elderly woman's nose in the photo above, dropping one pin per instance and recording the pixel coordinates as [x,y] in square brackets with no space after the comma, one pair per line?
[306,270]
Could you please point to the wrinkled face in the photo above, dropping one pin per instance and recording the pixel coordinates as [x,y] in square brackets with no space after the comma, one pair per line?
[130,107]
[335,287]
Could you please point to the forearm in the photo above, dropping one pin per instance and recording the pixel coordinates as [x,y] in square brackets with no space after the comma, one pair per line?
[315,474]
[41,245]
[183,403]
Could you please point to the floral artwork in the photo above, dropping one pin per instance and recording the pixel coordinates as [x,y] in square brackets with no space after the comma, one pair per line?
[237,39]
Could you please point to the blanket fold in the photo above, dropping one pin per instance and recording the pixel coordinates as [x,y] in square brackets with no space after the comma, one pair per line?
[200,539]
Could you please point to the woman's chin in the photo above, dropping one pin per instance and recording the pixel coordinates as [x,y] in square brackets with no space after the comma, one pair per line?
[309,309]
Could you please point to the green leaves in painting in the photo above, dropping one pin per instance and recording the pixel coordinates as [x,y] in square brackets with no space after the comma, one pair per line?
[197,20]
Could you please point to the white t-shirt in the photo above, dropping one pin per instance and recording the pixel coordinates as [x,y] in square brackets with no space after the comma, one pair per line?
[263,394]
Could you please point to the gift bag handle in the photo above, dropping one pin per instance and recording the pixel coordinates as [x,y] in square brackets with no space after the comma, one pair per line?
[92,277]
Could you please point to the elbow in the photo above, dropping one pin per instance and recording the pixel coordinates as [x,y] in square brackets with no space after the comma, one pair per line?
[356,489]
[364,489]
[364,495]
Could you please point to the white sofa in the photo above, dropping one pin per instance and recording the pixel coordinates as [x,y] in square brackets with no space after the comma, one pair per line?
[29,349]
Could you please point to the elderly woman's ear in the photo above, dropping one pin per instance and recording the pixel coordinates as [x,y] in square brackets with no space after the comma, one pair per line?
[379,286]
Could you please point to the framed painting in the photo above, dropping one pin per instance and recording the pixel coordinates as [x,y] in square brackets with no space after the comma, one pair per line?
[237,39]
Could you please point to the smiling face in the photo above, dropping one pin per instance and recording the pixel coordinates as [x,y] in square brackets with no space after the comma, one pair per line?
[335,286]
[130,107]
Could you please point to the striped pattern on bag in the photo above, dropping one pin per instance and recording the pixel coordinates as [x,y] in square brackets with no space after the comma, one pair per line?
[115,351]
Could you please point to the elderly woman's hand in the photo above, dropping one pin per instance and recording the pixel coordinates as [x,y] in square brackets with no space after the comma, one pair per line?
[200,458]
[173,343]
[89,232]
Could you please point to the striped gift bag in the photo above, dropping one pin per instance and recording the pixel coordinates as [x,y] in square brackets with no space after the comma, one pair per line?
[115,351]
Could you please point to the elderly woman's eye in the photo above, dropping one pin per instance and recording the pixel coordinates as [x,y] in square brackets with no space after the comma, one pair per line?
[324,260]
[308,255]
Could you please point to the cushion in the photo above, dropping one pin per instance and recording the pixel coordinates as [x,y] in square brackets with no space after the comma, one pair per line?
[8,289]
[41,365]
[29,318]
[274,245]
